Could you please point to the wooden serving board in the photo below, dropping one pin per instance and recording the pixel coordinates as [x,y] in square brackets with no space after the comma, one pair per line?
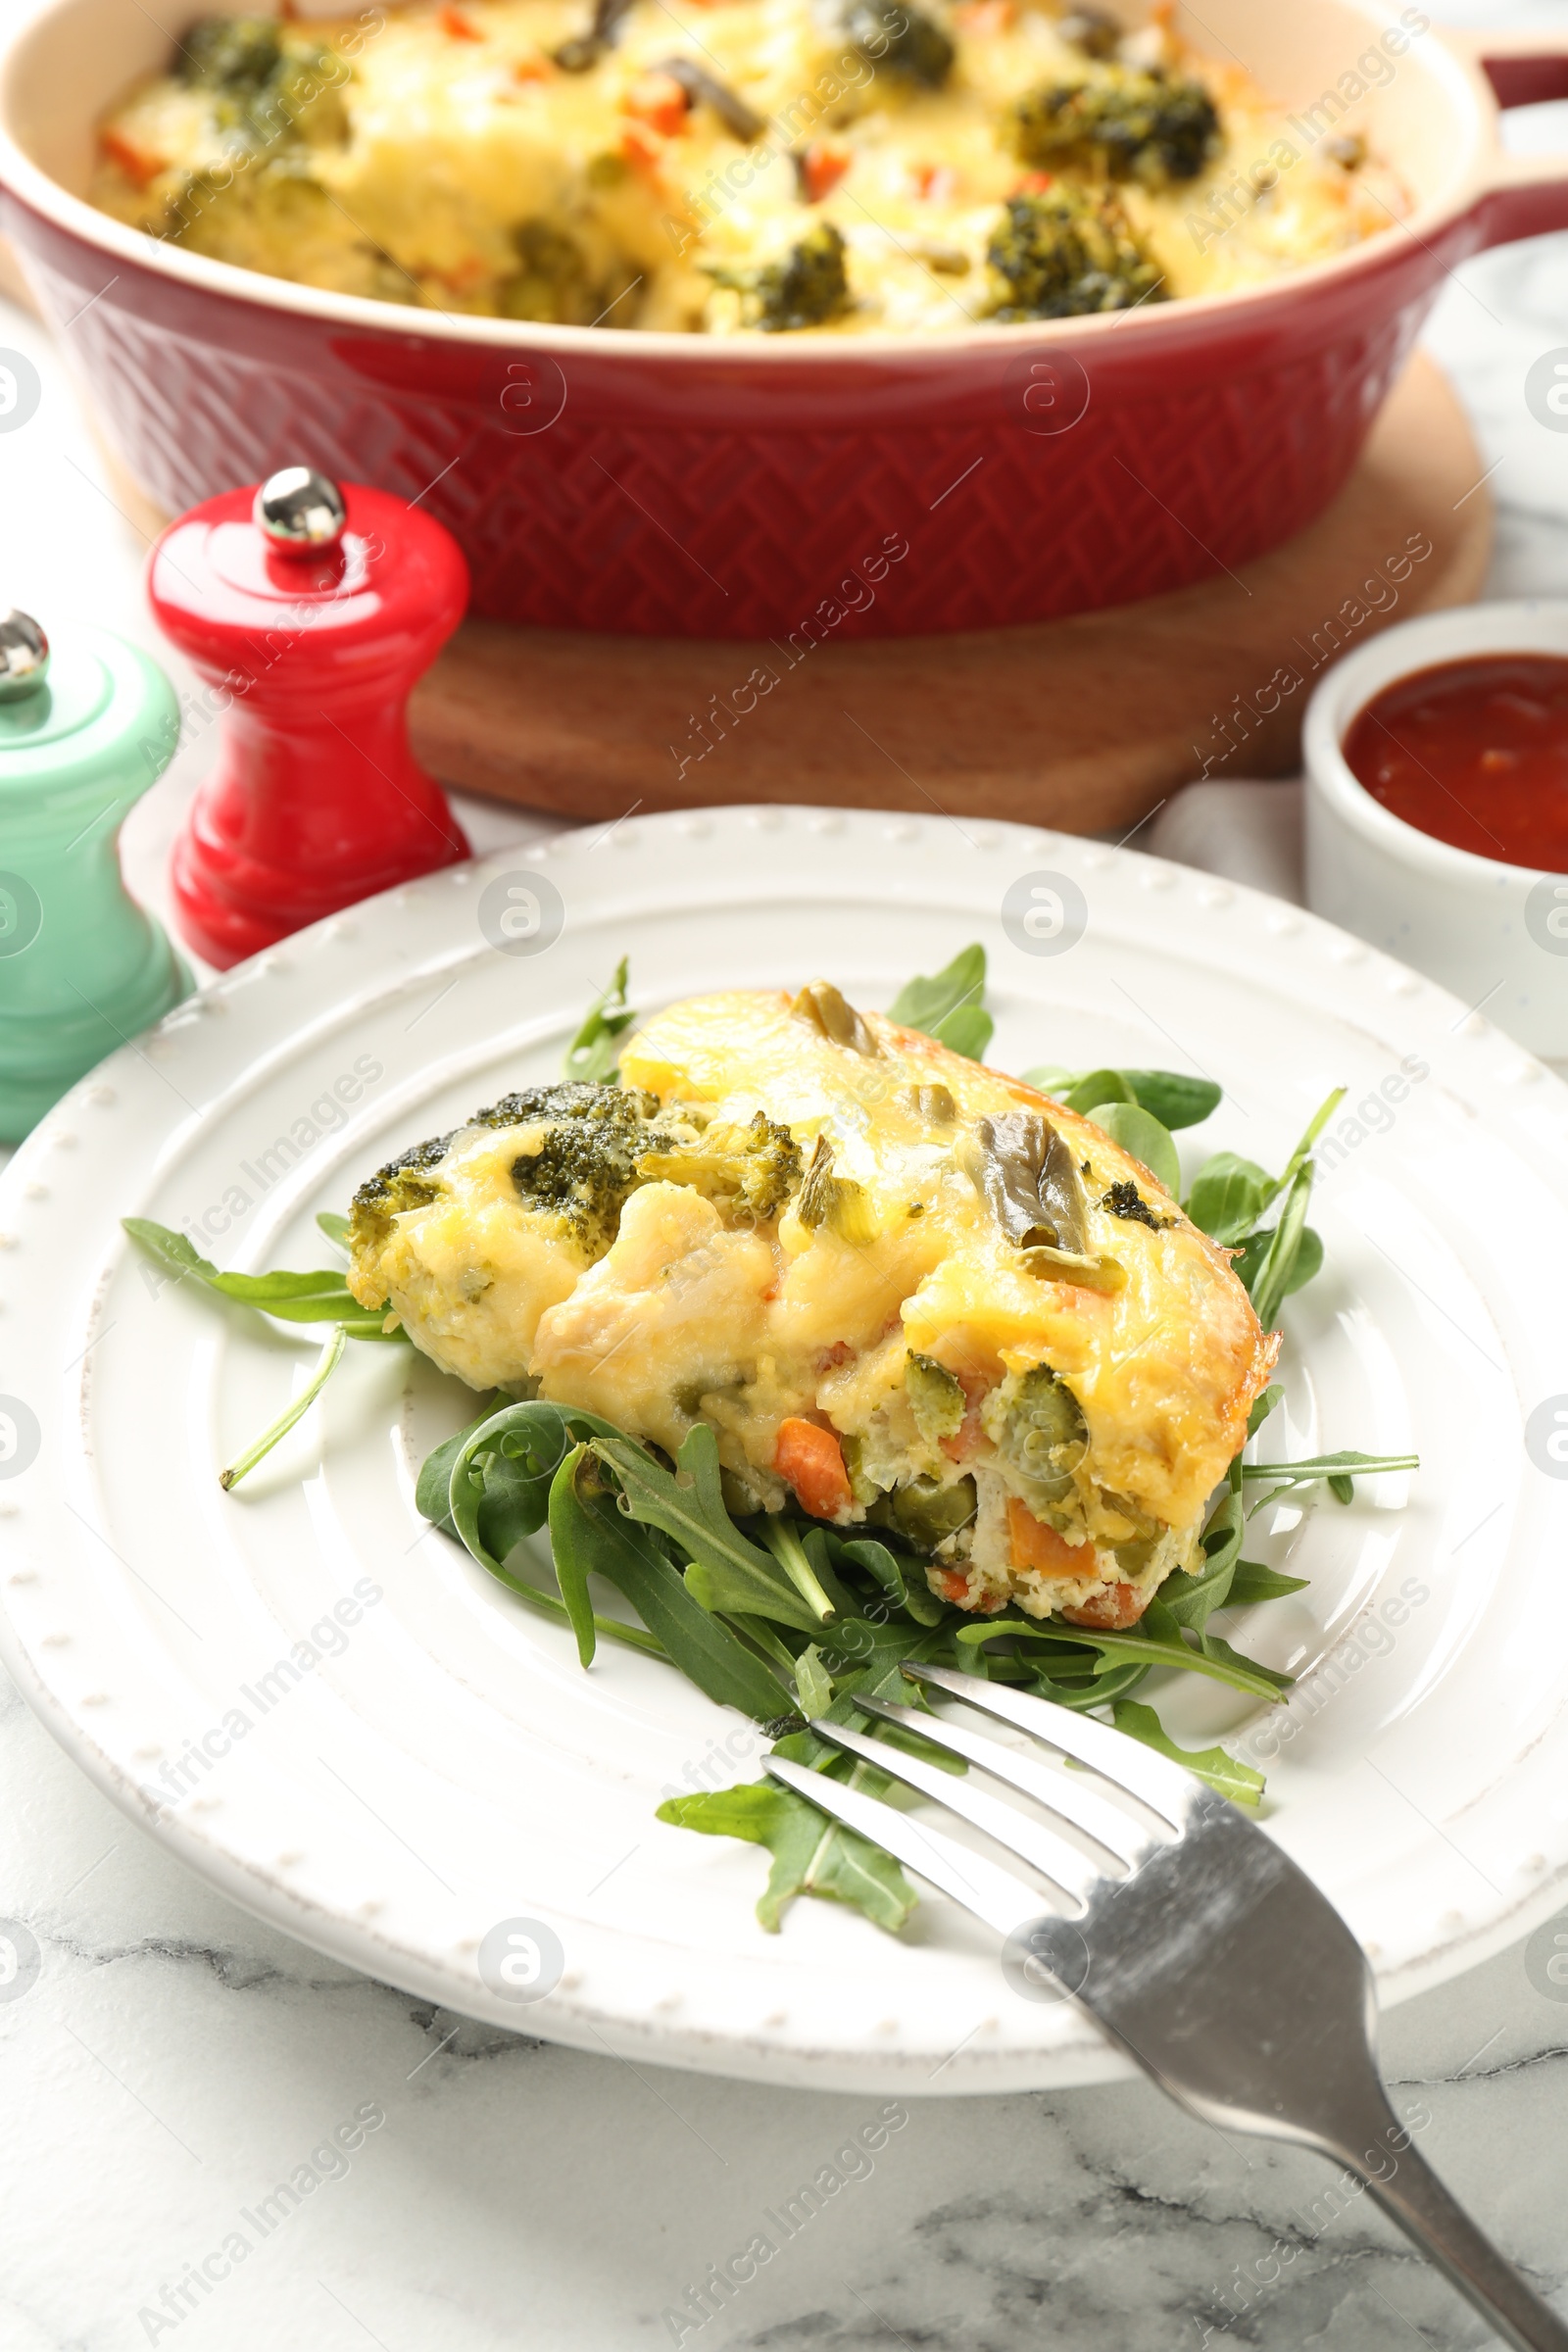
[1083,723]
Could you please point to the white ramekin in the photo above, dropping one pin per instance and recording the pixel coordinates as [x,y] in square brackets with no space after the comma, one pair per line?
[1497,935]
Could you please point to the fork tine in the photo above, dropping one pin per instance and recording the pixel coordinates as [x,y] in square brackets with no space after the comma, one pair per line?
[995,1895]
[1074,1800]
[1041,1848]
[1166,1788]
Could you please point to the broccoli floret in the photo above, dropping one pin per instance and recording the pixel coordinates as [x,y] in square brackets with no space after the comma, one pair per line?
[265,82]
[748,1171]
[586,1166]
[1092,30]
[551,281]
[239,55]
[583,1172]
[401,1185]
[1034,1423]
[1124,1199]
[836,1201]
[1065,253]
[936,1397]
[807,287]
[1125,123]
[901,39]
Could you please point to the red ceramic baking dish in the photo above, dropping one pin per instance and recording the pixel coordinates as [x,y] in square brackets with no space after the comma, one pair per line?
[677,485]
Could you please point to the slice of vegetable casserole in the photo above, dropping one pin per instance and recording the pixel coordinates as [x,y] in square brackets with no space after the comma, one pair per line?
[909,1289]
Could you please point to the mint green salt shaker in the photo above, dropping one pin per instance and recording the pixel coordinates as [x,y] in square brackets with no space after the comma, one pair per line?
[85,727]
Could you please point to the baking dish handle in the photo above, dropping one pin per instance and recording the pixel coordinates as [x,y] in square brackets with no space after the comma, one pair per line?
[1526,195]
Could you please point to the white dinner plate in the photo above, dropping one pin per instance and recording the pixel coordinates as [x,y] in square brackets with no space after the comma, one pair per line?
[392,1790]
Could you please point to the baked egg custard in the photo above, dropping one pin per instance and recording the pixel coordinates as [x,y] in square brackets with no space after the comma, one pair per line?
[904,1291]
[743,166]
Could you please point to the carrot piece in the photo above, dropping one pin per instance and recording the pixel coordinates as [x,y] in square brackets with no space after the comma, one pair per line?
[531,69]
[135,162]
[809,1459]
[939,180]
[1110,1611]
[660,101]
[455,25]
[642,147]
[984,17]
[822,167]
[1034,1545]
[1033,184]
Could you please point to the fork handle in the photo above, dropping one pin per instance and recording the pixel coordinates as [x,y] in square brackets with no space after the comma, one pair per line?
[1413,2196]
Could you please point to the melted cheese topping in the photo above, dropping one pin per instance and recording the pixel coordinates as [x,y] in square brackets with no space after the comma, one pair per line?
[848,1317]
[446,160]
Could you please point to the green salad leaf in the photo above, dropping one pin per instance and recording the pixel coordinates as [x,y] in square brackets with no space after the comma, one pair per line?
[594,1052]
[590,1535]
[1139,1132]
[949,1006]
[321,1297]
[1241,1783]
[811,1855]
[727,1571]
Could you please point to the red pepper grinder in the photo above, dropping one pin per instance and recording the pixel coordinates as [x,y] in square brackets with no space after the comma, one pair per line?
[311,610]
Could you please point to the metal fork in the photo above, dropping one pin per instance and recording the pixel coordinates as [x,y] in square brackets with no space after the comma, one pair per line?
[1200,1947]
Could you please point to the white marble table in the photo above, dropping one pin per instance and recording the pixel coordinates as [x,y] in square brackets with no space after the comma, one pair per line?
[174,2061]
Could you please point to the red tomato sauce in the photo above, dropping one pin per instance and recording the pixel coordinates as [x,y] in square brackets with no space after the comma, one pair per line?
[1474,753]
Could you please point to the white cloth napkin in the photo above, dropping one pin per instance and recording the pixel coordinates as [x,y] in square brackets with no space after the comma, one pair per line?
[1248,832]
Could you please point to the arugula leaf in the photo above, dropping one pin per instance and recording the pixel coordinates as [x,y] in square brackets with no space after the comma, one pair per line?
[811,1855]
[814,1579]
[1273,1264]
[887,1568]
[1055,1678]
[1262,1407]
[335,1227]
[1220,1652]
[594,1052]
[1173,1099]
[1338,1471]
[949,1006]
[1049,1078]
[967,1030]
[1228,1196]
[1251,1582]
[1139,1132]
[814,1684]
[865,1657]
[320,1297]
[1307,1261]
[432,1491]
[1243,1783]
[263,1445]
[1168,1096]
[1314,1128]
[1275,1277]
[1098,1088]
[498,1488]
[1157,1639]
[589,1535]
[726,1572]
[1193,1599]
